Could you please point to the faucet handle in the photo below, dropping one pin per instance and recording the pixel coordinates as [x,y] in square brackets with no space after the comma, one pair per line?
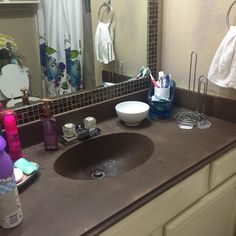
[24,91]
[90,122]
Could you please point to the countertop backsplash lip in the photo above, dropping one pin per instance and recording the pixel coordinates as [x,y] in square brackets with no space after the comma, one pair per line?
[60,105]
[215,106]
[106,109]
[220,107]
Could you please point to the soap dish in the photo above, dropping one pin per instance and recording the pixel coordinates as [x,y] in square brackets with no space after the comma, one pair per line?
[27,178]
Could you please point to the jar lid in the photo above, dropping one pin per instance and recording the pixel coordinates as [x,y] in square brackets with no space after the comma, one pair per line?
[90,119]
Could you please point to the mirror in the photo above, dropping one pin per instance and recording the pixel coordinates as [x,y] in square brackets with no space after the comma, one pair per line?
[130,42]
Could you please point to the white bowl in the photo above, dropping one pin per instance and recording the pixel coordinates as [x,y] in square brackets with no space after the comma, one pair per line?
[132,112]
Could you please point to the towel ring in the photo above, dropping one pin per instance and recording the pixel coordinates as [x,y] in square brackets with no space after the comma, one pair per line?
[109,9]
[228,13]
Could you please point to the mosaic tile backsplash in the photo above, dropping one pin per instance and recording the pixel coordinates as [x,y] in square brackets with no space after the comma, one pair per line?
[86,98]
[152,46]
[71,102]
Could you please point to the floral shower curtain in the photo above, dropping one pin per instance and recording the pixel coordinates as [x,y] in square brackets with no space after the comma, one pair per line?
[60,26]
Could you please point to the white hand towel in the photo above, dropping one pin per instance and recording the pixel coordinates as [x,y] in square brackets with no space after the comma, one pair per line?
[104,43]
[223,67]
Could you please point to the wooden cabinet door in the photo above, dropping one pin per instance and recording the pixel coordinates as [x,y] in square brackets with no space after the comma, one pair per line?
[213,215]
[151,218]
[223,168]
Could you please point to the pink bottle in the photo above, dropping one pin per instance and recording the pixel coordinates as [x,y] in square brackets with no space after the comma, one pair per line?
[11,133]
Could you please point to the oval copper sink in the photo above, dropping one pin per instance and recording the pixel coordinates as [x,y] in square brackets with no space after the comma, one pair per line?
[104,156]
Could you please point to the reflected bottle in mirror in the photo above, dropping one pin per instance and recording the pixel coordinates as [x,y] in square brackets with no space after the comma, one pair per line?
[50,138]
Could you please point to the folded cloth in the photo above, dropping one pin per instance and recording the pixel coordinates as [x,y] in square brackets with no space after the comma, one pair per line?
[104,43]
[223,67]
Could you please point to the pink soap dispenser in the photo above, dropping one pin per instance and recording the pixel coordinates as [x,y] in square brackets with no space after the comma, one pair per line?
[11,134]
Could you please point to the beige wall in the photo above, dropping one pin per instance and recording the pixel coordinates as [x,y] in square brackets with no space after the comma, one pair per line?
[130,26]
[197,25]
[20,23]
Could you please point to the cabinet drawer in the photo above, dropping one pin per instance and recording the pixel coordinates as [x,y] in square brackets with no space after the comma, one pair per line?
[223,168]
[164,207]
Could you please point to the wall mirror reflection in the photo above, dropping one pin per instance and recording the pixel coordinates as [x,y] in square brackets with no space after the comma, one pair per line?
[62,47]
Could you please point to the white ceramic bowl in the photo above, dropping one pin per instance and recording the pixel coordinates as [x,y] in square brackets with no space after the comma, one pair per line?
[132,112]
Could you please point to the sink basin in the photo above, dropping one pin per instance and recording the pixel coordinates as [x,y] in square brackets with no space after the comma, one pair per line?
[104,156]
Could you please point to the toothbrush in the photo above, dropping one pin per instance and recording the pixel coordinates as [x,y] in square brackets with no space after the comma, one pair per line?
[140,72]
[167,80]
[153,81]
[148,72]
[161,75]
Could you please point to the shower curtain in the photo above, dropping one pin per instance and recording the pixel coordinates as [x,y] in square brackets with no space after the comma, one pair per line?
[60,27]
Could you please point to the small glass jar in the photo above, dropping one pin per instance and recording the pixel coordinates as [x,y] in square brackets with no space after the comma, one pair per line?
[89,122]
[69,130]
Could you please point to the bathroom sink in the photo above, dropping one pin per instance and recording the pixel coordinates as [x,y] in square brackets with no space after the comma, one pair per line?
[104,156]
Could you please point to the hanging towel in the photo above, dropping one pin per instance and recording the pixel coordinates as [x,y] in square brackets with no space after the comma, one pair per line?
[104,43]
[223,67]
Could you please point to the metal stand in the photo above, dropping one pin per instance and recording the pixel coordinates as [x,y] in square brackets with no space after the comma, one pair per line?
[203,123]
[189,119]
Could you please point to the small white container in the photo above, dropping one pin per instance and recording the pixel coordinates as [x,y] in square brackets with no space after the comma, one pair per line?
[163,93]
[90,122]
[69,130]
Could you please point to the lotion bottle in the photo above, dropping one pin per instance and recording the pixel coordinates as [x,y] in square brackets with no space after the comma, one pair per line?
[11,134]
[50,138]
[11,213]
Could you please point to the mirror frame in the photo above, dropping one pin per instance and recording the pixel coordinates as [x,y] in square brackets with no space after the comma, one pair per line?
[66,103]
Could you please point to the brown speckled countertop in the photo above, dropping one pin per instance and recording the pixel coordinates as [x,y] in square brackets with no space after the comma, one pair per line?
[57,206]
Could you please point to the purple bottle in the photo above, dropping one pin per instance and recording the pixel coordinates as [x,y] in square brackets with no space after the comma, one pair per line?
[11,214]
[50,138]
[6,165]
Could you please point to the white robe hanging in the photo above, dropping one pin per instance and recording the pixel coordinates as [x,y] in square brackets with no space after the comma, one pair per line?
[223,67]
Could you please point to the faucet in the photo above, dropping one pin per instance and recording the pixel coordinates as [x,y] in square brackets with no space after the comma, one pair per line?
[25,98]
[89,130]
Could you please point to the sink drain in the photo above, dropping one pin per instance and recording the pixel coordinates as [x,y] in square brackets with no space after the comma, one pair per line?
[98,174]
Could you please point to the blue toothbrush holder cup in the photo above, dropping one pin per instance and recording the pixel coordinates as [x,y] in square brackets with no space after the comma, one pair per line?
[161,108]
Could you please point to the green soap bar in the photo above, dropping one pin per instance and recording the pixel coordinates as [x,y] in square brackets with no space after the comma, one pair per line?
[27,167]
